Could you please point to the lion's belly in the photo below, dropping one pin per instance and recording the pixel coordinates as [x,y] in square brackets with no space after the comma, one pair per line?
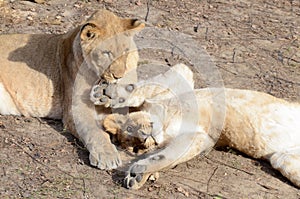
[7,105]
[34,102]
[30,76]
[259,124]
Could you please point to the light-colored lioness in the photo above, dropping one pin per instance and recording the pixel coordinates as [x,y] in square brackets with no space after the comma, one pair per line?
[39,72]
[255,123]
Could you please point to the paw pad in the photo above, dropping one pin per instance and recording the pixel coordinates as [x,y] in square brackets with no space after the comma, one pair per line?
[97,95]
[158,157]
[129,87]
[121,100]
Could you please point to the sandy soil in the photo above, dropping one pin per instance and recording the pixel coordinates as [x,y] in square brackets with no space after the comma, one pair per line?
[255,45]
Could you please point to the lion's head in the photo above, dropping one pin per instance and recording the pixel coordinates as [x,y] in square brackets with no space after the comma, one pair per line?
[133,130]
[107,44]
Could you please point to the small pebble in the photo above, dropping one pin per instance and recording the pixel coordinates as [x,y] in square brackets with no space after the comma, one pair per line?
[30,18]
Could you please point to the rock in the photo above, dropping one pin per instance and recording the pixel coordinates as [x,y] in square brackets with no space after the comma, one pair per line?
[30,18]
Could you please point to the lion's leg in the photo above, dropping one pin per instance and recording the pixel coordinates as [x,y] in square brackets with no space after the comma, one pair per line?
[103,153]
[181,149]
[288,163]
[176,81]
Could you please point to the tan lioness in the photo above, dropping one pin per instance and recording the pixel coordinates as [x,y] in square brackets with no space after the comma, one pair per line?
[191,121]
[39,72]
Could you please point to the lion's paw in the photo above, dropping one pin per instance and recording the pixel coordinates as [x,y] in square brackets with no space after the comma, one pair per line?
[120,95]
[97,95]
[105,158]
[135,177]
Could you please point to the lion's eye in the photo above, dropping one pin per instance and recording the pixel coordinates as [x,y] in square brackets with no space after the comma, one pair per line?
[129,129]
[90,35]
[143,133]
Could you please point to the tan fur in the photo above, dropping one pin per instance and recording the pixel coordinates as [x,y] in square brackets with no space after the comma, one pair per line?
[255,123]
[39,72]
[132,131]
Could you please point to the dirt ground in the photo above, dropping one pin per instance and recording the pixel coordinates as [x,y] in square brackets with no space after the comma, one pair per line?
[255,45]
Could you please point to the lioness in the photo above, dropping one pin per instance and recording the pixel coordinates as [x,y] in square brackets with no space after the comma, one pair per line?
[39,72]
[255,123]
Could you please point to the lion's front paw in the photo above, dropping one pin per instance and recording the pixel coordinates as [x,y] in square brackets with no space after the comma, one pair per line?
[135,177]
[104,157]
[120,94]
[97,95]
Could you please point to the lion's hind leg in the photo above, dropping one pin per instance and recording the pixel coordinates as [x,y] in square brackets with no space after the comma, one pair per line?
[288,163]
[181,149]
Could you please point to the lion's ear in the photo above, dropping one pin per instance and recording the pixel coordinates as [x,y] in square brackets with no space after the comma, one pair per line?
[88,31]
[113,123]
[133,25]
